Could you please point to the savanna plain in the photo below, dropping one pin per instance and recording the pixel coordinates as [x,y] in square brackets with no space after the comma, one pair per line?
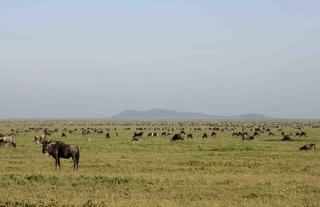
[221,170]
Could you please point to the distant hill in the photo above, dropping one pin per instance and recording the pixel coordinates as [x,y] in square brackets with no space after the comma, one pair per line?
[163,114]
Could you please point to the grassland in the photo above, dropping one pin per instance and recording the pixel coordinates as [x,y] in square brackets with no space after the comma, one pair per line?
[224,171]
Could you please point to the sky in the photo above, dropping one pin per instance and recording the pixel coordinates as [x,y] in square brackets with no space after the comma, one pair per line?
[93,59]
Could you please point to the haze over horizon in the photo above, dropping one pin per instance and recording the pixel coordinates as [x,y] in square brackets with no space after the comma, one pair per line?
[93,59]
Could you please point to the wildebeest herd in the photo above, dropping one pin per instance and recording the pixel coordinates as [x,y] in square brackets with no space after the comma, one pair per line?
[175,131]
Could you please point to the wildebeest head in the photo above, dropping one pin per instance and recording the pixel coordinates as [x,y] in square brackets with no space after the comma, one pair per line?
[45,146]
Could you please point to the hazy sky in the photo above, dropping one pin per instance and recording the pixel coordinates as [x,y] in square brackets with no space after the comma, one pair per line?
[92,59]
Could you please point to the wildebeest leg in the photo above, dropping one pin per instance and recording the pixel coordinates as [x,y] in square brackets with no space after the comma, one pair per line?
[78,158]
[59,163]
[74,162]
[56,159]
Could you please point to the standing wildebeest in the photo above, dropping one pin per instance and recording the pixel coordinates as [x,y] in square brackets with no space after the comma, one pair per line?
[7,141]
[271,133]
[177,137]
[213,134]
[163,134]
[308,147]
[137,136]
[190,136]
[245,136]
[205,135]
[63,135]
[108,136]
[58,150]
[287,138]
[300,134]
[39,139]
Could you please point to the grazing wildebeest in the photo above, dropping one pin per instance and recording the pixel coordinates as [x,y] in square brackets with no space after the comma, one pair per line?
[271,134]
[177,137]
[205,135]
[256,133]
[308,147]
[7,141]
[182,132]
[302,133]
[63,135]
[108,136]
[287,138]
[189,136]
[236,134]
[137,136]
[58,149]
[39,139]
[245,136]
[164,134]
[213,134]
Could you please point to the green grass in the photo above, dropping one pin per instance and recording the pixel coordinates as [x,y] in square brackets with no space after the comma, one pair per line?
[156,172]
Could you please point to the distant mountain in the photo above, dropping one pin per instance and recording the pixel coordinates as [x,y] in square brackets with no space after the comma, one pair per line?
[163,114]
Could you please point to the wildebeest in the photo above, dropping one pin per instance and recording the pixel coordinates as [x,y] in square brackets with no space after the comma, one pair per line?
[137,136]
[153,134]
[58,149]
[308,147]
[271,134]
[205,135]
[245,136]
[177,137]
[63,135]
[7,141]
[39,139]
[164,134]
[300,134]
[213,134]
[189,136]
[287,138]
[108,136]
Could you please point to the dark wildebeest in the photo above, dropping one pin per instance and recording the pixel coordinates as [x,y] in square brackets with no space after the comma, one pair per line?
[302,133]
[63,135]
[58,149]
[308,147]
[213,134]
[177,137]
[164,134]
[205,135]
[271,134]
[190,136]
[287,138]
[137,136]
[108,136]
[236,134]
